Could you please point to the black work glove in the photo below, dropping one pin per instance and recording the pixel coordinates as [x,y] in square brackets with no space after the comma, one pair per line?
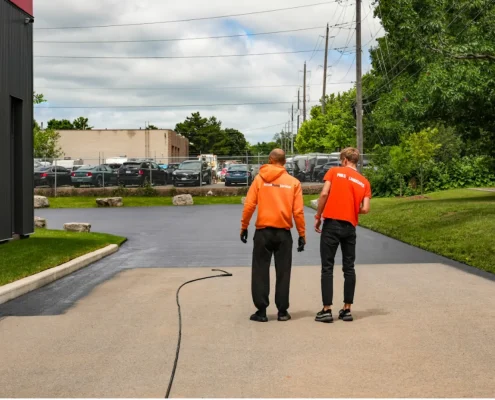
[244,235]
[301,243]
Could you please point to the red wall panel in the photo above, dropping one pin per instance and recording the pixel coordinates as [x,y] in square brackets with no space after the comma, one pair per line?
[26,5]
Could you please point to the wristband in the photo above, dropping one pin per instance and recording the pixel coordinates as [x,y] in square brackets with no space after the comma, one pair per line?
[317,216]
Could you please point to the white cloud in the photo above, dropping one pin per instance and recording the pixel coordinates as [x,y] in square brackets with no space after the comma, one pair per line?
[197,77]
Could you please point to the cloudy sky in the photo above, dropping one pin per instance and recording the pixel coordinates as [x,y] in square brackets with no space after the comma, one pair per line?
[101,87]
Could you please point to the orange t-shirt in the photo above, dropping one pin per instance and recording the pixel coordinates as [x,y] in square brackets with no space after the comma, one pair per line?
[347,192]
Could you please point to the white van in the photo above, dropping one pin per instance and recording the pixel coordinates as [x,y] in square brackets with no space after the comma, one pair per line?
[69,164]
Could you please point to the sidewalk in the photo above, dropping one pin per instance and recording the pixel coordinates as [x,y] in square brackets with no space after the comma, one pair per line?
[416,334]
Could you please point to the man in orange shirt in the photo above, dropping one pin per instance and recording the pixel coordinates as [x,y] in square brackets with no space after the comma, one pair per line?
[346,194]
[279,199]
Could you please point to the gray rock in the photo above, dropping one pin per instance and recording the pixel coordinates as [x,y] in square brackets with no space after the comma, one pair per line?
[183,200]
[314,204]
[39,222]
[110,202]
[77,227]
[41,202]
[243,200]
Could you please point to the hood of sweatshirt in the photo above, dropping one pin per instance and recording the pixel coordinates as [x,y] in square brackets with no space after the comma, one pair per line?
[270,172]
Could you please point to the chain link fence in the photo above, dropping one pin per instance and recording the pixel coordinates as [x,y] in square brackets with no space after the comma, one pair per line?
[178,171]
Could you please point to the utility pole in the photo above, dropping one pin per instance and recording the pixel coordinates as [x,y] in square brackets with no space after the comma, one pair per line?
[359,87]
[292,130]
[298,108]
[325,66]
[304,93]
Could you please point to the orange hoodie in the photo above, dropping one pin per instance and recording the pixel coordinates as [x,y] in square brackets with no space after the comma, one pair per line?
[278,197]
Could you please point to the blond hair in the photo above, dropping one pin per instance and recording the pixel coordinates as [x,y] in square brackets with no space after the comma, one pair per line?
[351,154]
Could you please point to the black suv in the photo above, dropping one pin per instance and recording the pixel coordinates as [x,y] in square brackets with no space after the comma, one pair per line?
[170,172]
[141,173]
[188,173]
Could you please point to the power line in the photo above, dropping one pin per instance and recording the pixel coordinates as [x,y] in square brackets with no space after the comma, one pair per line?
[164,106]
[182,88]
[263,127]
[182,57]
[191,19]
[167,106]
[180,39]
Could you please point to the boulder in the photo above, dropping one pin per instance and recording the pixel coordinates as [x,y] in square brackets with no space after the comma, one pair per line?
[183,200]
[243,200]
[39,222]
[314,204]
[77,227]
[110,202]
[41,202]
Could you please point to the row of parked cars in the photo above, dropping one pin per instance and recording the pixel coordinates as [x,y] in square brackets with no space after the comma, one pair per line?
[313,167]
[131,173]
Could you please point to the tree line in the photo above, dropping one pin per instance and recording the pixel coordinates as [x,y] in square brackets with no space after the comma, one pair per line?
[428,100]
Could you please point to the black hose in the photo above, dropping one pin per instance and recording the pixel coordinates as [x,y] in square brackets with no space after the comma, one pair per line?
[172,376]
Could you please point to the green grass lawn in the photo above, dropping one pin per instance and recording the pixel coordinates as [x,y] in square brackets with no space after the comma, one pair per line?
[458,224]
[90,202]
[46,249]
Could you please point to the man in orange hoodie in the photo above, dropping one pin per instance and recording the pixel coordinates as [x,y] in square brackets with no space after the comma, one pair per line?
[279,199]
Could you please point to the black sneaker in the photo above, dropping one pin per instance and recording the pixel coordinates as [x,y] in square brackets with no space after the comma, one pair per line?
[259,316]
[283,316]
[324,316]
[345,315]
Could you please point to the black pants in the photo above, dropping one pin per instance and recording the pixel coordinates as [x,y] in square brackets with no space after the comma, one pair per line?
[268,242]
[337,232]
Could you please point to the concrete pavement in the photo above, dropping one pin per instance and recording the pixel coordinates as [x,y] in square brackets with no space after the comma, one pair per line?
[418,332]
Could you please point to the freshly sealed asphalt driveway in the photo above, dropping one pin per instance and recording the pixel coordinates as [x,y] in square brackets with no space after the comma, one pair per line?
[183,237]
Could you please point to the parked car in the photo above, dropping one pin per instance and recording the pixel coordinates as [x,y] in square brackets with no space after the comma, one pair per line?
[141,173]
[323,171]
[238,174]
[170,172]
[98,176]
[189,172]
[48,176]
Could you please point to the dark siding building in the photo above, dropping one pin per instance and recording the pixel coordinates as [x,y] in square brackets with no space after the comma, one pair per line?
[16,118]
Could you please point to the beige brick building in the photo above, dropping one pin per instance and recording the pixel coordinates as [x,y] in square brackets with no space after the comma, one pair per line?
[89,145]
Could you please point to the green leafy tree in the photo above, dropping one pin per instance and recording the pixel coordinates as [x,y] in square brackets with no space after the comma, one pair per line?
[45,142]
[263,148]
[435,64]
[332,131]
[422,149]
[230,142]
[400,162]
[202,133]
[81,123]
[38,98]
[63,124]
[206,135]
[152,127]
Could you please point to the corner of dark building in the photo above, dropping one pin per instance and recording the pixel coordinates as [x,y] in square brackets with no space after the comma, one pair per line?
[16,119]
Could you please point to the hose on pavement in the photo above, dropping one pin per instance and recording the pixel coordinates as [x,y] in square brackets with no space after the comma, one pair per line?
[172,376]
